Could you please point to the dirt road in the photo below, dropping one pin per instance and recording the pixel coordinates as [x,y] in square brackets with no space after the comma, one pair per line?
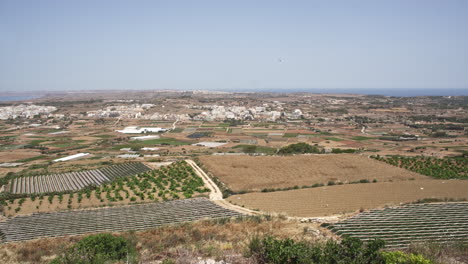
[215,193]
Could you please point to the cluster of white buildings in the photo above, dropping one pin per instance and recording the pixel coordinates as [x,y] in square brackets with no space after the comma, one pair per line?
[165,117]
[122,111]
[25,111]
[209,113]
[243,113]
[220,113]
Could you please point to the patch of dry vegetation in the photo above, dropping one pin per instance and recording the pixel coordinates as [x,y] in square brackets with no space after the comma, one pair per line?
[249,173]
[221,239]
[338,199]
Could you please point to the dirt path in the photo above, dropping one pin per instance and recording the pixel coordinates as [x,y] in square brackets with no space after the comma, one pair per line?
[215,193]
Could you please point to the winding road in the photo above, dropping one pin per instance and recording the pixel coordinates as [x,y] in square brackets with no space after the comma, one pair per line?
[216,195]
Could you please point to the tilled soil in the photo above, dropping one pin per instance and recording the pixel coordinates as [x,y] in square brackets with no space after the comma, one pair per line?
[252,173]
[348,198]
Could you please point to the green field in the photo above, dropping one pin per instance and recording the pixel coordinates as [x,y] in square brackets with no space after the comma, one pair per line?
[360,138]
[334,139]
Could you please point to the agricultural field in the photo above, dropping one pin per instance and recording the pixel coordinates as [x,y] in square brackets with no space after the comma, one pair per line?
[113,219]
[446,168]
[172,182]
[73,181]
[350,198]
[248,173]
[401,226]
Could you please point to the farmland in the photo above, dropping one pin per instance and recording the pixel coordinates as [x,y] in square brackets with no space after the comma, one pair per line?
[172,182]
[133,217]
[443,223]
[257,173]
[350,198]
[73,181]
[446,168]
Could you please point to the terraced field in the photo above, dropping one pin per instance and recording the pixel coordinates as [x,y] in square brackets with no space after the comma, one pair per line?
[443,223]
[113,219]
[175,181]
[74,181]
[446,168]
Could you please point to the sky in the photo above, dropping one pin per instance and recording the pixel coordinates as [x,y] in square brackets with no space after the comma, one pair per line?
[233,45]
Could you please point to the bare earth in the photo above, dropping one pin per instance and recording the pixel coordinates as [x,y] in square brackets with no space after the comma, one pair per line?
[256,173]
[338,199]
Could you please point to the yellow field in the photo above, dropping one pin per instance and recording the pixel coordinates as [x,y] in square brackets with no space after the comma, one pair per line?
[338,199]
[256,173]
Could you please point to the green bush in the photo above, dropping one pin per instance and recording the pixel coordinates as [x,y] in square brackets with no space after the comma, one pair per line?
[298,148]
[350,250]
[398,257]
[97,249]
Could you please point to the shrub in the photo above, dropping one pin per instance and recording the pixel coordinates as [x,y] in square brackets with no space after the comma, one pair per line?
[100,248]
[350,250]
[398,257]
[298,148]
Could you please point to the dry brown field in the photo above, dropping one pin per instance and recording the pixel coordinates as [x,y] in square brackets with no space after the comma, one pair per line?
[349,198]
[14,155]
[256,173]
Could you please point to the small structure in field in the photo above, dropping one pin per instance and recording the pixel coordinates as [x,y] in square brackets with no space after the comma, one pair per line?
[141,130]
[144,137]
[72,157]
[209,144]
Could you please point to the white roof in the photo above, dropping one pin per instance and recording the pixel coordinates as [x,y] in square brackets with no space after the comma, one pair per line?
[144,137]
[209,144]
[79,155]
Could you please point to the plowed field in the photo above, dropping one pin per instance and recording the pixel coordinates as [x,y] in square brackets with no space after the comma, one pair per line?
[256,173]
[348,198]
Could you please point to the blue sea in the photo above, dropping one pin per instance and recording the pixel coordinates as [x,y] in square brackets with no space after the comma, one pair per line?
[7,98]
[387,92]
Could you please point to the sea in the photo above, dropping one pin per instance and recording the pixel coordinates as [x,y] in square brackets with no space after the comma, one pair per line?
[7,98]
[386,92]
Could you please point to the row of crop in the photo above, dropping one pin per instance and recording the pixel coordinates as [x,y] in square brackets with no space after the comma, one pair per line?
[73,180]
[446,168]
[400,226]
[57,182]
[124,170]
[175,181]
[135,217]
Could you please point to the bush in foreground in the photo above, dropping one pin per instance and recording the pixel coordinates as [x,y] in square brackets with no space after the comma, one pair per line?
[349,251]
[97,249]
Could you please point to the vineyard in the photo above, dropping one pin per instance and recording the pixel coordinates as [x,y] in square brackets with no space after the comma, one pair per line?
[74,181]
[113,219]
[399,227]
[172,182]
[447,168]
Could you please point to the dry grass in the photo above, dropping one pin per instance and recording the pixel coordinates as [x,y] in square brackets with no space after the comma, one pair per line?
[221,240]
[338,199]
[256,173]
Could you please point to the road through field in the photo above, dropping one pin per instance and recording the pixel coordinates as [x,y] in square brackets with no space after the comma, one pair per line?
[215,193]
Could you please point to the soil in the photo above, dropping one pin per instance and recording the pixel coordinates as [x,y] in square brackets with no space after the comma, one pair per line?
[347,198]
[251,173]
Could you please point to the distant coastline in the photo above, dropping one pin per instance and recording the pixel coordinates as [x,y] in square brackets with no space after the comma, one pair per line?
[11,98]
[385,92]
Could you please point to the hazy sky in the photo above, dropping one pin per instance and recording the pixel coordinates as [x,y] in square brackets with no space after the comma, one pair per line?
[197,44]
